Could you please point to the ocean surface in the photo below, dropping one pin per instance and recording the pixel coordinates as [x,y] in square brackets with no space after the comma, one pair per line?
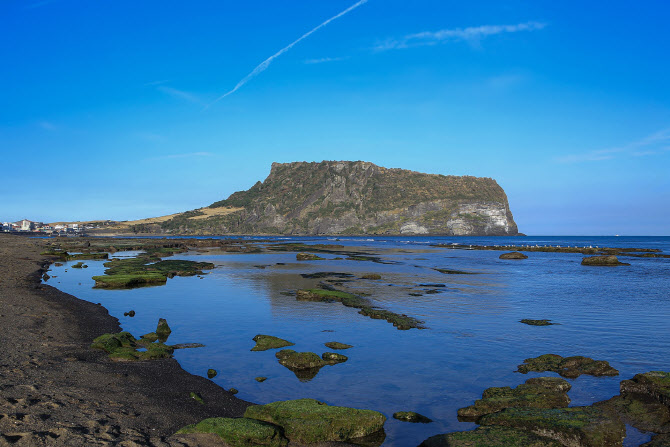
[474,338]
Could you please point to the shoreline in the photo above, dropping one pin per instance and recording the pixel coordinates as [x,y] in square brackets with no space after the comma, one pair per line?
[56,390]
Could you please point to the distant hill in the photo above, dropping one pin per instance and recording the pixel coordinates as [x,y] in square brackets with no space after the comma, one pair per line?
[353,198]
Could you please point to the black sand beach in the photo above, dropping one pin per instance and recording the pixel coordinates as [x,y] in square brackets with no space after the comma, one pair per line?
[55,390]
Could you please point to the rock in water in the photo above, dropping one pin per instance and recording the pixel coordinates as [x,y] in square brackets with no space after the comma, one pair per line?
[605,261]
[265,342]
[568,367]
[410,416]
[163,330]
[308,421]
[490,437]
[539,392]
[513,255]
[574,426]
[211,373]
[337,345]
[355,197]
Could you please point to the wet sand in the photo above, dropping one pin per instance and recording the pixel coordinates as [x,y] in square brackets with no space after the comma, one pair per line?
[55,390]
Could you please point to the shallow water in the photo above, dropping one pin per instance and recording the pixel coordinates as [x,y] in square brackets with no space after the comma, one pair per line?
[474,341]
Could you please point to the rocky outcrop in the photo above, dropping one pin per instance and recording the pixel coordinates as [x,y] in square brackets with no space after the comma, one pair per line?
[345,197]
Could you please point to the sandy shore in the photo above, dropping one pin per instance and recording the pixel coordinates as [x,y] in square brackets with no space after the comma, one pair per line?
[55,390]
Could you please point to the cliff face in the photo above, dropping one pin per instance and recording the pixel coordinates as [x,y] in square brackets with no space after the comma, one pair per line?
[343,197]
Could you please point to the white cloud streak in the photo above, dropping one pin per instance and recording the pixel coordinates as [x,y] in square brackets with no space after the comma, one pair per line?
[471,34]
[324,60]
[180,94]
[266,63]
[654,144]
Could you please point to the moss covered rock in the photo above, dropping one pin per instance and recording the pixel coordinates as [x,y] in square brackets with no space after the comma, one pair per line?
[129,281]
[606,261]
[411,416]
[490,437]
[574,426]
[513,255]
[123,347]
[337,345]
[308,421]
[163,329]
[654,384]
[333,357]
[540,392]
[373,276]
[299,360]
[569,367]
[644,402]
[240,432]
[308,257]
[265,342]
[260,379]
[211,373]
[112,342]
[400,321]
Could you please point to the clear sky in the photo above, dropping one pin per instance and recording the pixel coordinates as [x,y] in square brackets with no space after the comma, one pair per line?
[107,107]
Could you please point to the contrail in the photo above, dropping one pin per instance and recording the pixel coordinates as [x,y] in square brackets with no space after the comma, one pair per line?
[266,63]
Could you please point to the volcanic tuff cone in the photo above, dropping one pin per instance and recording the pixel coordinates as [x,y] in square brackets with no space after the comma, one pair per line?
[353,197]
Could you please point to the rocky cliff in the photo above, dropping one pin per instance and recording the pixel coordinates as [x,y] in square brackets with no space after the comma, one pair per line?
[344,197]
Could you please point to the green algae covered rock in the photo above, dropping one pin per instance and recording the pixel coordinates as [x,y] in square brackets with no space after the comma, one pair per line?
[574,426]
[402,322]
[308,257]
[123,347]
[333,357]
[540,392]
[260,379]
[337,345]
[240,432]
[265,342]
[112,342]
[196,397]
[163,329]
[299,360]
[128,281]
[606,261]
[568,367]
[211,373]
[513,255]
[411,416]
[308,421]
[654,384]
[490,437]
[644,402]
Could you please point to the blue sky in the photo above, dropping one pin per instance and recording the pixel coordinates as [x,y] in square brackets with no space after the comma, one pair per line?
[107,107]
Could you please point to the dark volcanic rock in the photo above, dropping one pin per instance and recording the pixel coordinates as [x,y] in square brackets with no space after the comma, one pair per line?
[607,261]
[411,416]
[539,392]
[513,255]
[569,367]
[574,426]
[490,437]
[537,322]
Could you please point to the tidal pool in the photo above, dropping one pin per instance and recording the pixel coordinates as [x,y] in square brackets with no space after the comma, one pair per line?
[474,338]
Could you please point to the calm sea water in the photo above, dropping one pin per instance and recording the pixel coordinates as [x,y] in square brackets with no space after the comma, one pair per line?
[474,340]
